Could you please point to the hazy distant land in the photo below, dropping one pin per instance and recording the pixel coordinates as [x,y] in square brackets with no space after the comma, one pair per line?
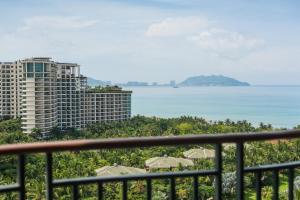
[212,80]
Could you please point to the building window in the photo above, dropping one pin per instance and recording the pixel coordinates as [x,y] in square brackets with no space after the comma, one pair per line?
[39,75]
[29,75]
[29,67]
[46,68]
[39,67]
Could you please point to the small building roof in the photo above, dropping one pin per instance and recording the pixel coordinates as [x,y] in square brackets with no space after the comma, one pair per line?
[167,162]
[116,170]
[200,153]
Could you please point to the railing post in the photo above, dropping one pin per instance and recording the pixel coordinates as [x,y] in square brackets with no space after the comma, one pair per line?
[258,185]
[172,189]
[149,189]
[240,170]
[75,192]
[196,185]
[291,175]
[49,177]
[124,190]
[21,176]
[275,185]
[218,161]
[100,191]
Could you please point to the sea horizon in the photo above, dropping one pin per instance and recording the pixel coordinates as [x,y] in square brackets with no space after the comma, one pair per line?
[278,105]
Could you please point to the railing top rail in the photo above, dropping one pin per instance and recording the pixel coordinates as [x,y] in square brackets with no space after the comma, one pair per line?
[144,142]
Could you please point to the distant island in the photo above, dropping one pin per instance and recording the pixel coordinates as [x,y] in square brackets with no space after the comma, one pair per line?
[195,81]
[211,81]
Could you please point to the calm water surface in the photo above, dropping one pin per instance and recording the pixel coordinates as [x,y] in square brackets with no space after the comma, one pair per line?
[279,106]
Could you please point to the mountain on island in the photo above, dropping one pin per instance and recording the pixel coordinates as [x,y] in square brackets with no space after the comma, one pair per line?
[212,80]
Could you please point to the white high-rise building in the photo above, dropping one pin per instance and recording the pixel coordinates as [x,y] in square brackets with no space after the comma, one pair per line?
[11,78]
[69,95]
[47,94]
[101,105]
[39,100]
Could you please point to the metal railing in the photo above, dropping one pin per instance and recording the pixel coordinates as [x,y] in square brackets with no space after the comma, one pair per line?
[217,139]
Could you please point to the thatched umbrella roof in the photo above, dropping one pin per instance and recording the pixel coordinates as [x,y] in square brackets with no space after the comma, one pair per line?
[167,162]
[116,170]
[200,153]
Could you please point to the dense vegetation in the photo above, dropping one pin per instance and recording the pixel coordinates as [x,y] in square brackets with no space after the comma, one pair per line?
[84,163]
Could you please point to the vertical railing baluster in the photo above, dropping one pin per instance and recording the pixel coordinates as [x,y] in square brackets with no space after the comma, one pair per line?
[149,189]
[218,163]
[49,177]
[124,190]
[173,190]
[291,175]
[196,185]
[258,185]
[100,191]
[275,185]
[75,195]
[21,176]
[240,170]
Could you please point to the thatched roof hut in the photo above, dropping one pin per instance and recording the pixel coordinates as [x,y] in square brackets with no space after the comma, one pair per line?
[167,162]
[116,170]
[200,153]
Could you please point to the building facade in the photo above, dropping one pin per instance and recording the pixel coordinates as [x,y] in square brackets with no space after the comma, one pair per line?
[11,77]
[47,94]
[39,99]
[114,105]
[68,95]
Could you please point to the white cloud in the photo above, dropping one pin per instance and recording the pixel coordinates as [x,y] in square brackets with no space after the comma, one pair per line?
[206,35]
[177,26]
[226,43]
[57,22]
[47,36]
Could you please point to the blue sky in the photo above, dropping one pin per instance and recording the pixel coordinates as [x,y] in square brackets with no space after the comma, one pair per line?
[159,40]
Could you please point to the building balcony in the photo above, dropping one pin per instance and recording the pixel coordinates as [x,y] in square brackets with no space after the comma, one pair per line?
[171,177]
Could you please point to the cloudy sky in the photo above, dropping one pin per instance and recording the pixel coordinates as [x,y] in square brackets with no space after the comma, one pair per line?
[159,40]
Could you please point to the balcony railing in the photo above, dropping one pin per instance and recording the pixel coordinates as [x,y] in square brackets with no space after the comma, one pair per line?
[48,148]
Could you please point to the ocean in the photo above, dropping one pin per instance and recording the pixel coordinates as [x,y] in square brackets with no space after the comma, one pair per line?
[276,105]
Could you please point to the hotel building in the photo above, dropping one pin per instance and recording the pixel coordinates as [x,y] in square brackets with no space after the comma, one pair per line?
[47,94]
